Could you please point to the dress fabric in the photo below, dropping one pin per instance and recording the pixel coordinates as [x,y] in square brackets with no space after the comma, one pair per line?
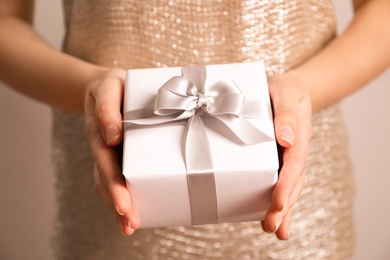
[161,33]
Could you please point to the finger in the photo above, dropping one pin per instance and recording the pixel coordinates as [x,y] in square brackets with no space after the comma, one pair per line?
[285,102]
[108,96]
[112,178]
[283,232]
[274,218]
[127,226]
[292,169]
[116,185]
[272,221]
[294,160]
[124,225]
[102,190]
[114,192]
[263,226]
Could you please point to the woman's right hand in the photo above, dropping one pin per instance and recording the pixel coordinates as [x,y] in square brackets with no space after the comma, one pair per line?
[104,130]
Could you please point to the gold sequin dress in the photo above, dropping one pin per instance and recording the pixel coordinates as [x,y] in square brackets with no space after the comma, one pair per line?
[158,33]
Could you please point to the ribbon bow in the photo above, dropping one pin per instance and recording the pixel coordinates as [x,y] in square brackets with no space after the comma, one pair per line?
[187,98]
[188,93]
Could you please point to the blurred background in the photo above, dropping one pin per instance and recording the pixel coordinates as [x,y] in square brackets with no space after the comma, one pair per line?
[26,186]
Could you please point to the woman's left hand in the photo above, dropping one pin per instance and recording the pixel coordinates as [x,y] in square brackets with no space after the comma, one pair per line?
[292,111]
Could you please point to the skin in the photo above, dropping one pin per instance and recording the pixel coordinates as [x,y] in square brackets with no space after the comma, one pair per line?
[72,84]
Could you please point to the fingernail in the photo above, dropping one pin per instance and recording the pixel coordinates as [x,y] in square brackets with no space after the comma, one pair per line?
[121,228]
[117,210]
[287,134]
[112,133]
[278,224]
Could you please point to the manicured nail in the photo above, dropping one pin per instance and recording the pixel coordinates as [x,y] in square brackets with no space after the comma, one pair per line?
[117,210]
[287,134]
[112,133]
[278,224]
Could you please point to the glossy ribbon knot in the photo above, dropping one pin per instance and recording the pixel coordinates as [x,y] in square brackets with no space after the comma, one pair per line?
[187,98]
[188,93]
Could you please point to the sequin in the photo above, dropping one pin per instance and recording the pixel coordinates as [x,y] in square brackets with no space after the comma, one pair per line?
[160,33]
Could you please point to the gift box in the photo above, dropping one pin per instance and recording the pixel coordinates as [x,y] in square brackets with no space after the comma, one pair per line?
[199,145]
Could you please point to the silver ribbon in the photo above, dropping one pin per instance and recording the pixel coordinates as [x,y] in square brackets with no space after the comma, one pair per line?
[187,98]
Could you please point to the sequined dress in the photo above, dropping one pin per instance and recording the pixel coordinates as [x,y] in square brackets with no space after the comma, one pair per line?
[158,33]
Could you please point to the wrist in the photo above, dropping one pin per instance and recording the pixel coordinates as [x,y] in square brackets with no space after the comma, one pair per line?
[81,77]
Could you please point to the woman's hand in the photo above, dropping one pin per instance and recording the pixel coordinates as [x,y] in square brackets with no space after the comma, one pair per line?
[292,111]
[104,130]
[321,77]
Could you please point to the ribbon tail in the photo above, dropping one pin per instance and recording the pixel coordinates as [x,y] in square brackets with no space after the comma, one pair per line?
[245,130]
[200,173]
[146,117]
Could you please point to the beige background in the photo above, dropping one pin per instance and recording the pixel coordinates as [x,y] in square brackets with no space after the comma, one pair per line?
[26,186]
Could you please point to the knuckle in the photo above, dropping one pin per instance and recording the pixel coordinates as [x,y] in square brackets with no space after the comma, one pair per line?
[101,110]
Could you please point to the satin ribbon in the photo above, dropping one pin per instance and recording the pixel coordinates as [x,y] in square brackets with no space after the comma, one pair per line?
[187,98]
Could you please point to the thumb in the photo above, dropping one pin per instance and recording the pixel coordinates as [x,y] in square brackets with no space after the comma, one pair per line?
[108,96]
[285,106]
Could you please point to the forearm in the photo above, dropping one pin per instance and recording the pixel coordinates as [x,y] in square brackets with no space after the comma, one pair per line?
[32,67]
[351,60]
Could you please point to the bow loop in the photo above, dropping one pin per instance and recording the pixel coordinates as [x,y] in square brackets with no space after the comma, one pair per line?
[177,94]
[197,75]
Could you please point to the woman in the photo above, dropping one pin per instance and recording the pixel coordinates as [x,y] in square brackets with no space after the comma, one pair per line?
[309,70]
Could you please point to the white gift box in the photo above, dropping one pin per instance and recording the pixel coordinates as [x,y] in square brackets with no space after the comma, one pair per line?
[160,161]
